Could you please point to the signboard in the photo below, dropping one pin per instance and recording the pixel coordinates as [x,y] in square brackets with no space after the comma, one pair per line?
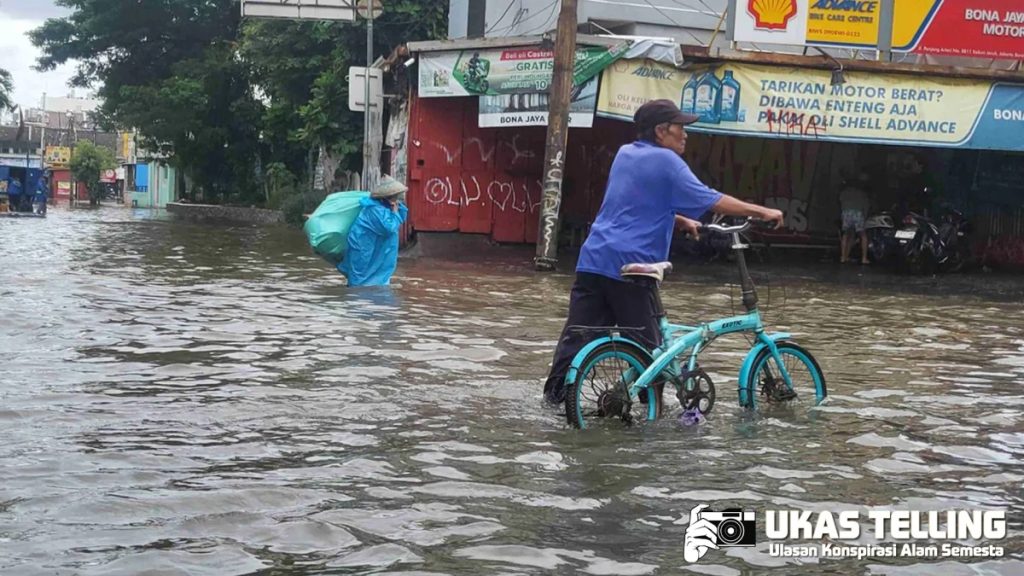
[779,102]
[628,84]
[974,28]
[506,71]
[20,161]
[357,88]
[532,109]
[108,176]
[299,9]
[127,147]
[57,156]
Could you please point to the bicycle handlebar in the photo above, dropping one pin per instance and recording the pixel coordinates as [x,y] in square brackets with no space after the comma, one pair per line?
[747,223]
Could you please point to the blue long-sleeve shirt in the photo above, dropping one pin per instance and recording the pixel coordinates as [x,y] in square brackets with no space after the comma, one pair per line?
[647,186]
[372,254]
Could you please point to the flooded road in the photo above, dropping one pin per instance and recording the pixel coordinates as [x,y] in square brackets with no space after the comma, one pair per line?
[189,399]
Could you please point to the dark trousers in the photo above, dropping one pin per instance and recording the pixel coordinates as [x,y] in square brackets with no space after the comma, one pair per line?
[596,301]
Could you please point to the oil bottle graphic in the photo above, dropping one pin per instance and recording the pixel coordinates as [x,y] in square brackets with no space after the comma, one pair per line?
[709,98]
[730,98]
[689,103]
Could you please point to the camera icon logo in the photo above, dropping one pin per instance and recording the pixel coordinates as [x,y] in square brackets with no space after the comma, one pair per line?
[726,529]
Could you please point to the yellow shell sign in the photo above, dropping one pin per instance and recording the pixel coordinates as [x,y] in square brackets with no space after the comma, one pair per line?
[772,14]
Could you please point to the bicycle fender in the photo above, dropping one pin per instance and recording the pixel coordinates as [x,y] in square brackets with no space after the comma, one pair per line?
[577,360]
[748,365]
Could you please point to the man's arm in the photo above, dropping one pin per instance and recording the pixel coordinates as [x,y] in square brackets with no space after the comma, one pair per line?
[731,206]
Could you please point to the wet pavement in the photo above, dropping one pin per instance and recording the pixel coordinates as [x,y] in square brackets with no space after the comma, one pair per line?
[198,399]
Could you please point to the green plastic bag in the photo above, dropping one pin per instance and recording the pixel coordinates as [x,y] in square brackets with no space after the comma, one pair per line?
[328,226]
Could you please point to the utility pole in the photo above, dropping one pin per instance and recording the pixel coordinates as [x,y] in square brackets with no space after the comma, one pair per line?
[558,132]
[367,156]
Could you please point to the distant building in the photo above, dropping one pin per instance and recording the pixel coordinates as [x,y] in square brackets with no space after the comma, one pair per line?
[62,113]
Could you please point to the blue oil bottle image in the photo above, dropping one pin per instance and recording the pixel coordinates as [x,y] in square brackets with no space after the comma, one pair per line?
[689,103]
[730,98]
[709,98]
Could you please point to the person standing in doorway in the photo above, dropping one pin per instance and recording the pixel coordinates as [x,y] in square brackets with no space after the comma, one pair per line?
[650,191]
[372,253]
[854,204]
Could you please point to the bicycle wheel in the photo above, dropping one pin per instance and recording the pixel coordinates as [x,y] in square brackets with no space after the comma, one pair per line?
[600,391]
[767,386]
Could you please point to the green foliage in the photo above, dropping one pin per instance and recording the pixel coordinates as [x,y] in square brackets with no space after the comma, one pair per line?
[6,87]
[221,97]
[87,165]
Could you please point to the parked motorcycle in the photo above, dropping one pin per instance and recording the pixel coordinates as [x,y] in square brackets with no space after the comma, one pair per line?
[927,248]
[881,232]
[954,231]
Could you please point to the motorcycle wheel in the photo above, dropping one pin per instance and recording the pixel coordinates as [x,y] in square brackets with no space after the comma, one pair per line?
[920,260]
[958,258]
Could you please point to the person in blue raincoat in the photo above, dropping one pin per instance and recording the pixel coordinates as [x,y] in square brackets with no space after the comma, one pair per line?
[14,192]
[39,198]
[372,254]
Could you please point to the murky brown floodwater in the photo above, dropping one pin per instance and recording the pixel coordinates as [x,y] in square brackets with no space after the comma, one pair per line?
[184,399]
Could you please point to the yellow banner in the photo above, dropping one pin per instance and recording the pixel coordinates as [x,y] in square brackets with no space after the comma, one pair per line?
[628,84]
[802,103]
[786,102]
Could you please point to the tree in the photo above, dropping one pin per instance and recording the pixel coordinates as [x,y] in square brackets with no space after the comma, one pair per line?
[6,87]
[170,69]
[221,99]
[302,69]
[87,165]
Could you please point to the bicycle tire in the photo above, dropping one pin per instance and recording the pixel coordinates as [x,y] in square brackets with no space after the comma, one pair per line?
[761,385]
[585,404]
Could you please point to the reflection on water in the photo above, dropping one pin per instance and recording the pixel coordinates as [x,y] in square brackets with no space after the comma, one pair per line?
[183,399]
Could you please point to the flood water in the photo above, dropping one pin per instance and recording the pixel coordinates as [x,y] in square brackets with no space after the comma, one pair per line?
[195,399]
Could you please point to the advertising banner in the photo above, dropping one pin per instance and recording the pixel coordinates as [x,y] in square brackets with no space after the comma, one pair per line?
[780,102]
[532,109]
[57,156]
[628,84]
[969,28]
[505,71]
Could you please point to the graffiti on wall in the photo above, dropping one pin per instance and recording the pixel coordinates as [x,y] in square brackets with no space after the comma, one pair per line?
[519,152]
[458,192]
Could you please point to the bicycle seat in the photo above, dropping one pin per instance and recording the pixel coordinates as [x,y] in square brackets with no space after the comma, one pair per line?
[656,270]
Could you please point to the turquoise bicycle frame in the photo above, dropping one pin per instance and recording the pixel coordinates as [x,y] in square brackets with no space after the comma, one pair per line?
[677,339]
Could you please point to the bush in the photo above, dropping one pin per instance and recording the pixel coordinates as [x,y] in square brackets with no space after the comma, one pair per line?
[297,205]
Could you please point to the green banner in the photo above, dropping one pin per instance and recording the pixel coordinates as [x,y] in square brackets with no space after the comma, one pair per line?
[505,71]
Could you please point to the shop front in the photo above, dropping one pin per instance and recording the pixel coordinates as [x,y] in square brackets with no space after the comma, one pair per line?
[783,135]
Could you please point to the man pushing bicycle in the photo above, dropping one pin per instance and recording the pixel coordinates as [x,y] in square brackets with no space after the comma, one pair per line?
[650,190]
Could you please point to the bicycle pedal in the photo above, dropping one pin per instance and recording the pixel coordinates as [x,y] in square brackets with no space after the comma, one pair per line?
[784,395]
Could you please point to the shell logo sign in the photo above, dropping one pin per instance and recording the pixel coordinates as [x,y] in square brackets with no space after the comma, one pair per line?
[772,14]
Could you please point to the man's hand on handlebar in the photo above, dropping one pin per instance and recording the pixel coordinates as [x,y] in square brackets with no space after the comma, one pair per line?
[773,216]
[691,227]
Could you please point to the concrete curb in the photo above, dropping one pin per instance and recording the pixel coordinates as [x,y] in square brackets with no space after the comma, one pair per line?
[212,212]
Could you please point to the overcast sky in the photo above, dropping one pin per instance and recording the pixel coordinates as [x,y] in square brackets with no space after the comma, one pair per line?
[17,18]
